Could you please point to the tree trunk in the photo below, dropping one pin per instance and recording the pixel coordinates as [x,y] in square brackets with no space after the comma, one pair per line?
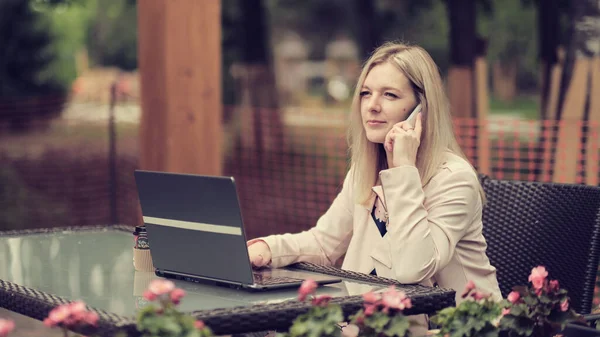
[368,28]
[578,99]
[549,39]
[463,40]
[260,116]
[505,80]
[467,82]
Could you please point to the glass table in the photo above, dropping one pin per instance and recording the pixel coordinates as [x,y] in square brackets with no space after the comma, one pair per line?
[40,269]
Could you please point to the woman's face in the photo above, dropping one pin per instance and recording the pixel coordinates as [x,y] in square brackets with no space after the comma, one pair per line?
[386,98]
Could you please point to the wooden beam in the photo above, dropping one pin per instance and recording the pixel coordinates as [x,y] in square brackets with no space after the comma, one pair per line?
[568,146]
[180,71]
[592,167]
[482,99]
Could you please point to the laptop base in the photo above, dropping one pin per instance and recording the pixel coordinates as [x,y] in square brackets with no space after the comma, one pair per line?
[248,287]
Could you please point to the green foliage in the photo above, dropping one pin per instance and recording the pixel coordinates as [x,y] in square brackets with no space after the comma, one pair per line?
[381,324]
[470,318]
[68,22]
[319,321]
[537,314]
[168,322]
[511,31]
[112,34]
[25,39]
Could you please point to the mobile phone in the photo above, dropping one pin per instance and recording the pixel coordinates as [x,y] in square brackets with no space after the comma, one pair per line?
[412,118]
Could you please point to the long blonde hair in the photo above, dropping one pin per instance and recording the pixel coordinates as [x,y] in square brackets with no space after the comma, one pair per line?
[367,158]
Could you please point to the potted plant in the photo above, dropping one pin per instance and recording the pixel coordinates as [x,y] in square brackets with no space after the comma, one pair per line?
[477,315]
[381,315]
[541,309]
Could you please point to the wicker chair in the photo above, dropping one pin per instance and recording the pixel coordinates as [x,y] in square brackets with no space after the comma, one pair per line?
[527,224]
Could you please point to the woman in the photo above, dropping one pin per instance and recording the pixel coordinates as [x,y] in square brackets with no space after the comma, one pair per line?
[411,205]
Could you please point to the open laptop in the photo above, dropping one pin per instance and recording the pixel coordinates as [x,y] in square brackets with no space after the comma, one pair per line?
[196,233]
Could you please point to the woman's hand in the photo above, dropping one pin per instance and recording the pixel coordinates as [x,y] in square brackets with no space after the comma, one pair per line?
[259,253]
[402,143]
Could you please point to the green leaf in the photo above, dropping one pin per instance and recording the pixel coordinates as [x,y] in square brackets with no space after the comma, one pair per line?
[530,301]
[170,327]
[398,326]
[298,329]
[377,321]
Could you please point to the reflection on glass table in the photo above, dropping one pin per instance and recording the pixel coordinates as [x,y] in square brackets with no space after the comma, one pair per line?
[97,267]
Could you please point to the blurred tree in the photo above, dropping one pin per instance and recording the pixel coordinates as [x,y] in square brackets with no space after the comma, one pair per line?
[510,30]
[112,34]
[548,43]
[421,22]
[368,28]
[230,18]
[26,39]
[69,25]
[552,29]
[256,79]
[581,44]
[463,39]
[577,101]
[319,22]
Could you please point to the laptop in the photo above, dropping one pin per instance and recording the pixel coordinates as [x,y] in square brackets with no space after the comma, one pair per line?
[196,233]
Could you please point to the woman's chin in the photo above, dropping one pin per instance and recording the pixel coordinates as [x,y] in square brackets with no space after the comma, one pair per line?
[376,138]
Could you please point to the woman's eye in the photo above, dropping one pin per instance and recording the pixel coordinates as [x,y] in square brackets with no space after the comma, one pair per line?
[389,94]
[364,93]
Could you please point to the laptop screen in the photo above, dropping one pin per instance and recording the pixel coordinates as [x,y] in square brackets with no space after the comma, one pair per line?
[194,225]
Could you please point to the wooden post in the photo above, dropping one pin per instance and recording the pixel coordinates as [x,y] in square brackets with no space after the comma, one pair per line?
[591,170]
[549,106]
[180,75]
[569,134]
[482,101]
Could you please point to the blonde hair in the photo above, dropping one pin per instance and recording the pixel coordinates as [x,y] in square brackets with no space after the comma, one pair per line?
[367,158]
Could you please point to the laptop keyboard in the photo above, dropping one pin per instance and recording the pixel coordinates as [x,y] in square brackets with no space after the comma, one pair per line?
[268,280]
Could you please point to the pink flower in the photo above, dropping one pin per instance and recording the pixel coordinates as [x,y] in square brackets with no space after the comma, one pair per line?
[513,297]
[322,300]
[57,315]
[307,288]
[564,306]
[161,287]
[370,309]
[199,325]
[478,295]
[505,311]
[538,277]
[176,295]
[393,299]
[77,310]
[553,285]
[371,297]
[6,326]
[470,286]
[71,314]
[91,318]
[150,296]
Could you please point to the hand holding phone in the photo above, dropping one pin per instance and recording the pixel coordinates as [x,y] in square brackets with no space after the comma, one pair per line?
[412,118]
[403,140]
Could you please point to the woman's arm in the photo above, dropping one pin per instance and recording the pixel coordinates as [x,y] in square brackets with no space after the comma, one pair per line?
[422,234]
[322,244]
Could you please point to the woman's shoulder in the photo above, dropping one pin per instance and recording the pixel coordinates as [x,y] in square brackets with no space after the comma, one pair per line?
[455,167]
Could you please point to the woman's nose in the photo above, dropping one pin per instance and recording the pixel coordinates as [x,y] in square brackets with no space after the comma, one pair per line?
[373,104]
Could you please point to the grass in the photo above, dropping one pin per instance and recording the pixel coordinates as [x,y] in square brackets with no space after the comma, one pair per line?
[525,106]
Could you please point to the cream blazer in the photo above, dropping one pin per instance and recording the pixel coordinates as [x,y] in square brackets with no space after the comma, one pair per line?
[434,233]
